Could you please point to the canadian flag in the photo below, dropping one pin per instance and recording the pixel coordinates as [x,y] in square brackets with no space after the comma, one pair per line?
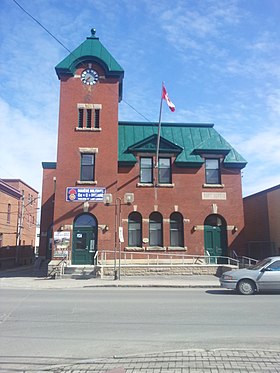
[167,99]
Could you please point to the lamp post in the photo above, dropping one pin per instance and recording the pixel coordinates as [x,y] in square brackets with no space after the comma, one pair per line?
[108,201]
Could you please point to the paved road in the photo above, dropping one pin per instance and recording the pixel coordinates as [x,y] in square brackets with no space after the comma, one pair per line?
[44,327]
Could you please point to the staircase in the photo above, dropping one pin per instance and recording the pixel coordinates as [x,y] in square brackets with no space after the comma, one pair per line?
[82,272]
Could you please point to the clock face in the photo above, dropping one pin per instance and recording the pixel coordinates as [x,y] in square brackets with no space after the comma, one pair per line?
[89,77]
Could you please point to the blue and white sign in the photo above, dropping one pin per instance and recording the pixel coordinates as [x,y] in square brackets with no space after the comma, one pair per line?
[74,194]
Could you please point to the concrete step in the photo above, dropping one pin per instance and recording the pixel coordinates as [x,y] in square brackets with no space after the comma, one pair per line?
[81,272]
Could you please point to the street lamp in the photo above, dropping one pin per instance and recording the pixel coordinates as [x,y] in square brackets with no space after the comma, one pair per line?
[108,201]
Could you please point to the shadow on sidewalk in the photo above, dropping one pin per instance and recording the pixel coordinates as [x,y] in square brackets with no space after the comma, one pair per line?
[38,269]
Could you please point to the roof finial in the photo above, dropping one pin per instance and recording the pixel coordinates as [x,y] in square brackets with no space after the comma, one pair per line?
[93,36]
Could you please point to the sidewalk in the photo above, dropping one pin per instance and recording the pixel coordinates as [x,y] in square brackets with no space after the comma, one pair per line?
[23,278]
[183,361]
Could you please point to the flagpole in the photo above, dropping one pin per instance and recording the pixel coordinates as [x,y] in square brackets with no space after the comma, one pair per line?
[159,126]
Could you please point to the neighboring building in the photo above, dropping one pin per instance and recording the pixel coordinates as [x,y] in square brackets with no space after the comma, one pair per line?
[18,203]
[9,210]
[262,223]
[192,202]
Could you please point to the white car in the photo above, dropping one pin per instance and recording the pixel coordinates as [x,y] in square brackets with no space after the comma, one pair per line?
[265,275]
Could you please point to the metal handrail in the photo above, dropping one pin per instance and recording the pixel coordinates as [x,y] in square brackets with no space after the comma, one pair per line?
[248,261]
[59,266]
[95,258]
[163,259]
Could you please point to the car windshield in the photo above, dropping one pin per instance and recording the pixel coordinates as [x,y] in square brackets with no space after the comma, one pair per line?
[260,264]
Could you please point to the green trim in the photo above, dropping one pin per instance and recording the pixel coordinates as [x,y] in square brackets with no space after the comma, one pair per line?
[211,151]
[189,164]
[234,165]
[166,124]
[126,163]
[149,145]
[49,165]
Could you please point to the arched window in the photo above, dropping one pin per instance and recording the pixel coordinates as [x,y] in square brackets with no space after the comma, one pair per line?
[155,229]
[135,229]
[176,230]
[85,220]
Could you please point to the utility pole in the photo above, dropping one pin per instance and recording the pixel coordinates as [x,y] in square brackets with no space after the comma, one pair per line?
[20,221]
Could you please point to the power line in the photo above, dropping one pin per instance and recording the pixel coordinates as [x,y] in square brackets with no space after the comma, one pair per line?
[40,24]
[68,50]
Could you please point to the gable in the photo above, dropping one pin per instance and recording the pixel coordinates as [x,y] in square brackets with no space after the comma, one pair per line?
[149,145]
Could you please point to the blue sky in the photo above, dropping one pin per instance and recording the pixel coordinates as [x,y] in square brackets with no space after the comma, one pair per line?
[219,60]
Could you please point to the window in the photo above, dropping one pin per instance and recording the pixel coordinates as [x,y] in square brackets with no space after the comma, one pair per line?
[176,230]
[275,266]
[164,171]
[84,221]
[212,171]
[80,118]
[96,118]
[9,213]
[89,112]
[87,167]
[135,229]
[155,229]
[89,116]
[146,170]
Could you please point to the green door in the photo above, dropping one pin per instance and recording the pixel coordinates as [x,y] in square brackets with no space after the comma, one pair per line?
[83,246]
[215,236]
[212,238]
[84,243]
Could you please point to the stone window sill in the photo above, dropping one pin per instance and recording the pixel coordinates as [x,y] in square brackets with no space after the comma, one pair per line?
[213,185]
[81,182]
[84,129]
[177,248]
[151,185]
[145,185]
[134,248]
[171,185]
[155,248]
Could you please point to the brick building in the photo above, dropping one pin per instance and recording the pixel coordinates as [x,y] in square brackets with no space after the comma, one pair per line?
[262,222]
[18,208]
[191,202]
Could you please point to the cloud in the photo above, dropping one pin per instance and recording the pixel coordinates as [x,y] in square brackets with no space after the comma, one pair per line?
[26,144]
[273,103]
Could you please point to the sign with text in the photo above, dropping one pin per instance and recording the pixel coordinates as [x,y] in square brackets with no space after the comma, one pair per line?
[74,194]
[61,244]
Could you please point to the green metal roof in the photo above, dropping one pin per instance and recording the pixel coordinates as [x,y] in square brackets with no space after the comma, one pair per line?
[192,139]
[91,50]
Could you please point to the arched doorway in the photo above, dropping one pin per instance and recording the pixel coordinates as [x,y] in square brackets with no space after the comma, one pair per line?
[215,235]
[84,244]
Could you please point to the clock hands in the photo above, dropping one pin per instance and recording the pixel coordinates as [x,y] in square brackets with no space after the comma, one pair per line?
[89,77]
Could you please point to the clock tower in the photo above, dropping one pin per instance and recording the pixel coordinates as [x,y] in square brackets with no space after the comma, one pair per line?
[87,150]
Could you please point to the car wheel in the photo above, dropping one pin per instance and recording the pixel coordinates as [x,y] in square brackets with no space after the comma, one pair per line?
[246,287]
